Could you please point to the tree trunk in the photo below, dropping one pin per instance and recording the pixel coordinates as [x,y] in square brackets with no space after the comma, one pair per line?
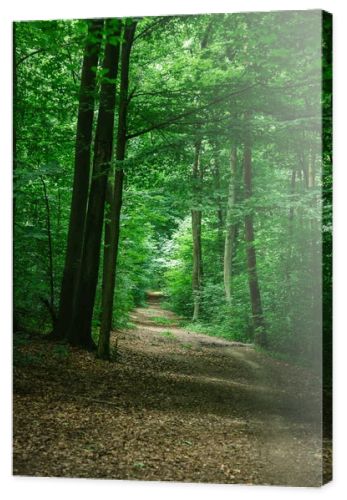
[231,227]
[51,305]
[15,317]
[196,213]
[291,209]
[80,332]
[219,211]
[290,249]
[112,225]
[196,233]
[15,117]
[257,310]
[81,176]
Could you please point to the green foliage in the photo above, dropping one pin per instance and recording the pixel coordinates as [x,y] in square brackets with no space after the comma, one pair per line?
[22,357]
[139,465]
[61,351]
[26,359]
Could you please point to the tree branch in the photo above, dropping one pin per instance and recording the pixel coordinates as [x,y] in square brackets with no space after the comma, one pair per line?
[187,113]
[150,28]
[29,55]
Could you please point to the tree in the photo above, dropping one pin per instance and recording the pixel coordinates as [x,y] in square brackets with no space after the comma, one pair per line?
[231,226]
[220,223]
[80,329]
[254,289]
[49,303]
[197,273]
[112,225]
[80,187]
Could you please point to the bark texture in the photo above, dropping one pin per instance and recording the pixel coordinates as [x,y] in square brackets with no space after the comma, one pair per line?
[80,330]
[254,289]
[112,225]
[196,233]
[219,211]
[81,176]
[51,302]
[231,227]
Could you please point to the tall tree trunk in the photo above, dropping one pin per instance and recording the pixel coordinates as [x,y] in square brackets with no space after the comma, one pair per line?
[231,227]
[196,213]
[196,233]
[288,265]
[219,211]
[15,317]
[257,310]
[291,208]
[112,225]
[81,327]
[15,117]
[311,170]
[81,176]
[50,303]
[315,256]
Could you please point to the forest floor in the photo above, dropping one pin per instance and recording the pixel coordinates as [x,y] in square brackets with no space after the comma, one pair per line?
[174,406]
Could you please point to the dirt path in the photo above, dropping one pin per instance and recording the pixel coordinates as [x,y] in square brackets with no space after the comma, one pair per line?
[176,406]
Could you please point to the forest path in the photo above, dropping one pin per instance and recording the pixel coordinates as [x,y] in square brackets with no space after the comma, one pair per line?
[274,405]
[176,406]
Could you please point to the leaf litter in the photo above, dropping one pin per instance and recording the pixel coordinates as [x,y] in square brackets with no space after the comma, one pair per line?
[216,412]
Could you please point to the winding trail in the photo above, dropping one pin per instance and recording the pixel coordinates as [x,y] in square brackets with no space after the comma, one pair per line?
[176,406]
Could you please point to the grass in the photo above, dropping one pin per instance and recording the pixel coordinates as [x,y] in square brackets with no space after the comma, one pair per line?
[130,324]
[214,330]
[159,320]
[61,351]
[139,465]
[168,334]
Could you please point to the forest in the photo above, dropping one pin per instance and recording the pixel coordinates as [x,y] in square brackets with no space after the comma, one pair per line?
[172,205]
